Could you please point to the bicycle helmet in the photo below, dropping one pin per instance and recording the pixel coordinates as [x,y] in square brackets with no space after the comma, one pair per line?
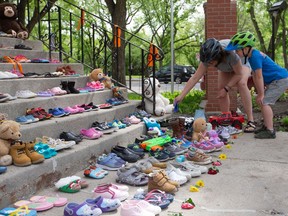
[210,50]
[241,40]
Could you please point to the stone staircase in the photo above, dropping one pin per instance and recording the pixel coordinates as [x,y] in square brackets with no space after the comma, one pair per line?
[21,182]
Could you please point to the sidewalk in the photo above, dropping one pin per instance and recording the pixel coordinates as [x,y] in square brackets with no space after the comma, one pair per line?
[252,181]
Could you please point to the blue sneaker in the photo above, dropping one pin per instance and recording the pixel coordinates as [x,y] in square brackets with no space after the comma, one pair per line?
[56,112]
[109,162]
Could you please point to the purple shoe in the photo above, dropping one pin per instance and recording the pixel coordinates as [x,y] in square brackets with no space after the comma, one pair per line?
[105,204]
[74,209]
[204,146]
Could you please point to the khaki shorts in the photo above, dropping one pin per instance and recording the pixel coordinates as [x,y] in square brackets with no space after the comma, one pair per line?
[274,90]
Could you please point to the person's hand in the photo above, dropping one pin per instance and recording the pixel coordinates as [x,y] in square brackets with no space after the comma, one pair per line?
[259,99]
[177,100]
[222,93]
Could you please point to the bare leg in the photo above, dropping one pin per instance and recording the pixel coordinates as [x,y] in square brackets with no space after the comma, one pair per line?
[267,113]
[223,79]
[245,93]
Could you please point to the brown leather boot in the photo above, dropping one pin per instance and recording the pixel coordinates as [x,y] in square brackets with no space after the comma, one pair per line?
[32,154]
[174,123]
[159,180]
[18,154]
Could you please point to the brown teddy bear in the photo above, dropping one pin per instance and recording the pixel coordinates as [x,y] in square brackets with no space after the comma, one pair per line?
[199,130]
[98,75]
[9,23]
[9,131]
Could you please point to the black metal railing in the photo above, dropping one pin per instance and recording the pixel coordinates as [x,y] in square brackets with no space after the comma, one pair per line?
[81,36]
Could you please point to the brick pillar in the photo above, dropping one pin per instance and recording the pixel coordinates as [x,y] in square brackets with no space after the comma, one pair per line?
[220,23]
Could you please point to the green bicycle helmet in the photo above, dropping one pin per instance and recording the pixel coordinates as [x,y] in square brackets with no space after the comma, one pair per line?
[241,40]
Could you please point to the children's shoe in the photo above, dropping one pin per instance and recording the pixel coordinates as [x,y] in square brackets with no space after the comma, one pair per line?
[95,172]
[109,162]
[106,205]
[204,146]
[110,193]
[74,209]
[128,209]
[18,153]
[265,134]
[34,156]
[91,133]
[223,132]
[68,184]
[145,205]
[115,186]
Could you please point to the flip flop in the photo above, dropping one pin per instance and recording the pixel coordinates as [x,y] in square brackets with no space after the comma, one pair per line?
[40,206]
[23,210]
[56,201]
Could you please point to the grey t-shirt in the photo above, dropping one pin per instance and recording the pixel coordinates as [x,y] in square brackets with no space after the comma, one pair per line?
[231,59]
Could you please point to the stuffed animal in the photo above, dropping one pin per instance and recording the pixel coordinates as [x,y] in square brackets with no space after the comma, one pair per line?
[9,22]
[9,131]
[98,75]
[199,130]
[162,104]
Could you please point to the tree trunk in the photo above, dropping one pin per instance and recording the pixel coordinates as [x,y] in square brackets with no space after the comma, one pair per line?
[118,12]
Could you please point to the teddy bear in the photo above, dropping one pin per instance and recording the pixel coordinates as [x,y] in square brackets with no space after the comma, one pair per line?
[98,75]
[9,131]
[9,22]
[162,104]
[199,130]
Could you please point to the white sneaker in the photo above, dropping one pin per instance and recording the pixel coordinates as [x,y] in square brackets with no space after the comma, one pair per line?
[175,175]
[25,94]
[192,170]
[57,144]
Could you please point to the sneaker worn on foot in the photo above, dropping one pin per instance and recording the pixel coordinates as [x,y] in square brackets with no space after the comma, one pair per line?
[266,134]
[263,128]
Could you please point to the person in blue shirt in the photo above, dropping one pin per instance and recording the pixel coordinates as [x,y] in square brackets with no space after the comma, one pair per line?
[270,80]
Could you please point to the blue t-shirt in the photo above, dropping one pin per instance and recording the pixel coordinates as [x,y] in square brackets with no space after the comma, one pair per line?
[270,70]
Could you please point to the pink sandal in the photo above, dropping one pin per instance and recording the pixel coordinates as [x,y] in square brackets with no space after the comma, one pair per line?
[91,133]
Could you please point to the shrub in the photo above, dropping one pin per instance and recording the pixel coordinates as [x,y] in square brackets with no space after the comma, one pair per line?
[189,104]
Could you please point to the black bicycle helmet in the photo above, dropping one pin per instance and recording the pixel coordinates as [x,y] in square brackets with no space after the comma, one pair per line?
[210,50]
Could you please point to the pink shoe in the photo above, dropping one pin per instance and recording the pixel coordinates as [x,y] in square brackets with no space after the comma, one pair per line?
[96,85]
[204,146]
[79,109]
[58,91]
[71,110]
[91,133]
[134,120]
[110,193]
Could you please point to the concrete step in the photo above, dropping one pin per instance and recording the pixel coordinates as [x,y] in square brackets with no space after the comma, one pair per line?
[11,86]
[42,68]
[30,54]
[20,182]
[54,126]
[6,42]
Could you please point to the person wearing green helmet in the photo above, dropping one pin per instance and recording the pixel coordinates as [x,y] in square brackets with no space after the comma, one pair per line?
[270,79]
[231,72]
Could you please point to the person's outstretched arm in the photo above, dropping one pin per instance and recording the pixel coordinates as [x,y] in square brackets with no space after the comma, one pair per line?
[201,70]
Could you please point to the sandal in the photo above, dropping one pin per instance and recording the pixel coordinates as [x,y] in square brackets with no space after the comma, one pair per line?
[250,127]
[132,176]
